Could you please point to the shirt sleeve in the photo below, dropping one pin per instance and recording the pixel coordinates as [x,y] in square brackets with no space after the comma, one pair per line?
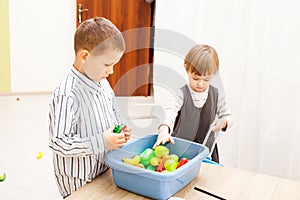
[172,108]
[115,107]
[64,139]
[117,111]
[223,110]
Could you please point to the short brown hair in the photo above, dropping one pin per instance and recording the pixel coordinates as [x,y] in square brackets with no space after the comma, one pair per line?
[98,35]
[202,60]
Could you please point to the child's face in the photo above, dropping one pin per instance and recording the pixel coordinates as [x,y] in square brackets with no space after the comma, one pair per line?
[101,66]
[199,83]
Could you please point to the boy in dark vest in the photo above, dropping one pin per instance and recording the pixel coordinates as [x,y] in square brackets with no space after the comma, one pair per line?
[199,107]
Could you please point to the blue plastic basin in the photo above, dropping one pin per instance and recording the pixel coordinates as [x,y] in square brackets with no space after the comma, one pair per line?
[153,184]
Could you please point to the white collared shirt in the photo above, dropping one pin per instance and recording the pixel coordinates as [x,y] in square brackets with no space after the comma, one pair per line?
[199,98]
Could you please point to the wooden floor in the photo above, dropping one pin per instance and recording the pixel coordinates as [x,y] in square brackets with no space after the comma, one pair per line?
[24,133]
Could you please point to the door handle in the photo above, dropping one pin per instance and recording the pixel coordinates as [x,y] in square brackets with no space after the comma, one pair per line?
[80,11]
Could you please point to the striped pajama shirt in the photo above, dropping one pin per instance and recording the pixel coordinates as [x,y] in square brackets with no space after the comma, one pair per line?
[80,111]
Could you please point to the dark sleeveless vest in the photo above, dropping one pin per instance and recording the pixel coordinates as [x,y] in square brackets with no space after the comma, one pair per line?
[193,123]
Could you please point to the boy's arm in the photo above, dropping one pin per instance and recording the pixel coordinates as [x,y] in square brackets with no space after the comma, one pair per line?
[171,109]
[115,106]
[117,111]
[223,110]
[64,139]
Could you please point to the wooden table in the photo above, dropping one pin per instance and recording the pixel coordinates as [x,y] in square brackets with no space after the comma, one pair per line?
[225,182]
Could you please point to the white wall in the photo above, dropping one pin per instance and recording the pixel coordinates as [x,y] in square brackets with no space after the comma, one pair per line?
[181,20]
[41,33]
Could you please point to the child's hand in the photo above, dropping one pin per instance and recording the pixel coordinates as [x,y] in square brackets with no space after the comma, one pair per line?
[127,133]
[219,125]
[114,141]
[163,136]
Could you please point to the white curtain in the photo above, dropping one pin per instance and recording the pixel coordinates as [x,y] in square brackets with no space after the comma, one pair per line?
[258,42]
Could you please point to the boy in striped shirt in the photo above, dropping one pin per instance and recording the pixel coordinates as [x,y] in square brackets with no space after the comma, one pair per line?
[83,109]
[199,107]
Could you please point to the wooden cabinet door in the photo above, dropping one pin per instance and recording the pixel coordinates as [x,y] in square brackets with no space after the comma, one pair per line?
[127,15]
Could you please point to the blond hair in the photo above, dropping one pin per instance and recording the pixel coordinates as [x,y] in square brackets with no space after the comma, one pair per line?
[202,60]
[97,35]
